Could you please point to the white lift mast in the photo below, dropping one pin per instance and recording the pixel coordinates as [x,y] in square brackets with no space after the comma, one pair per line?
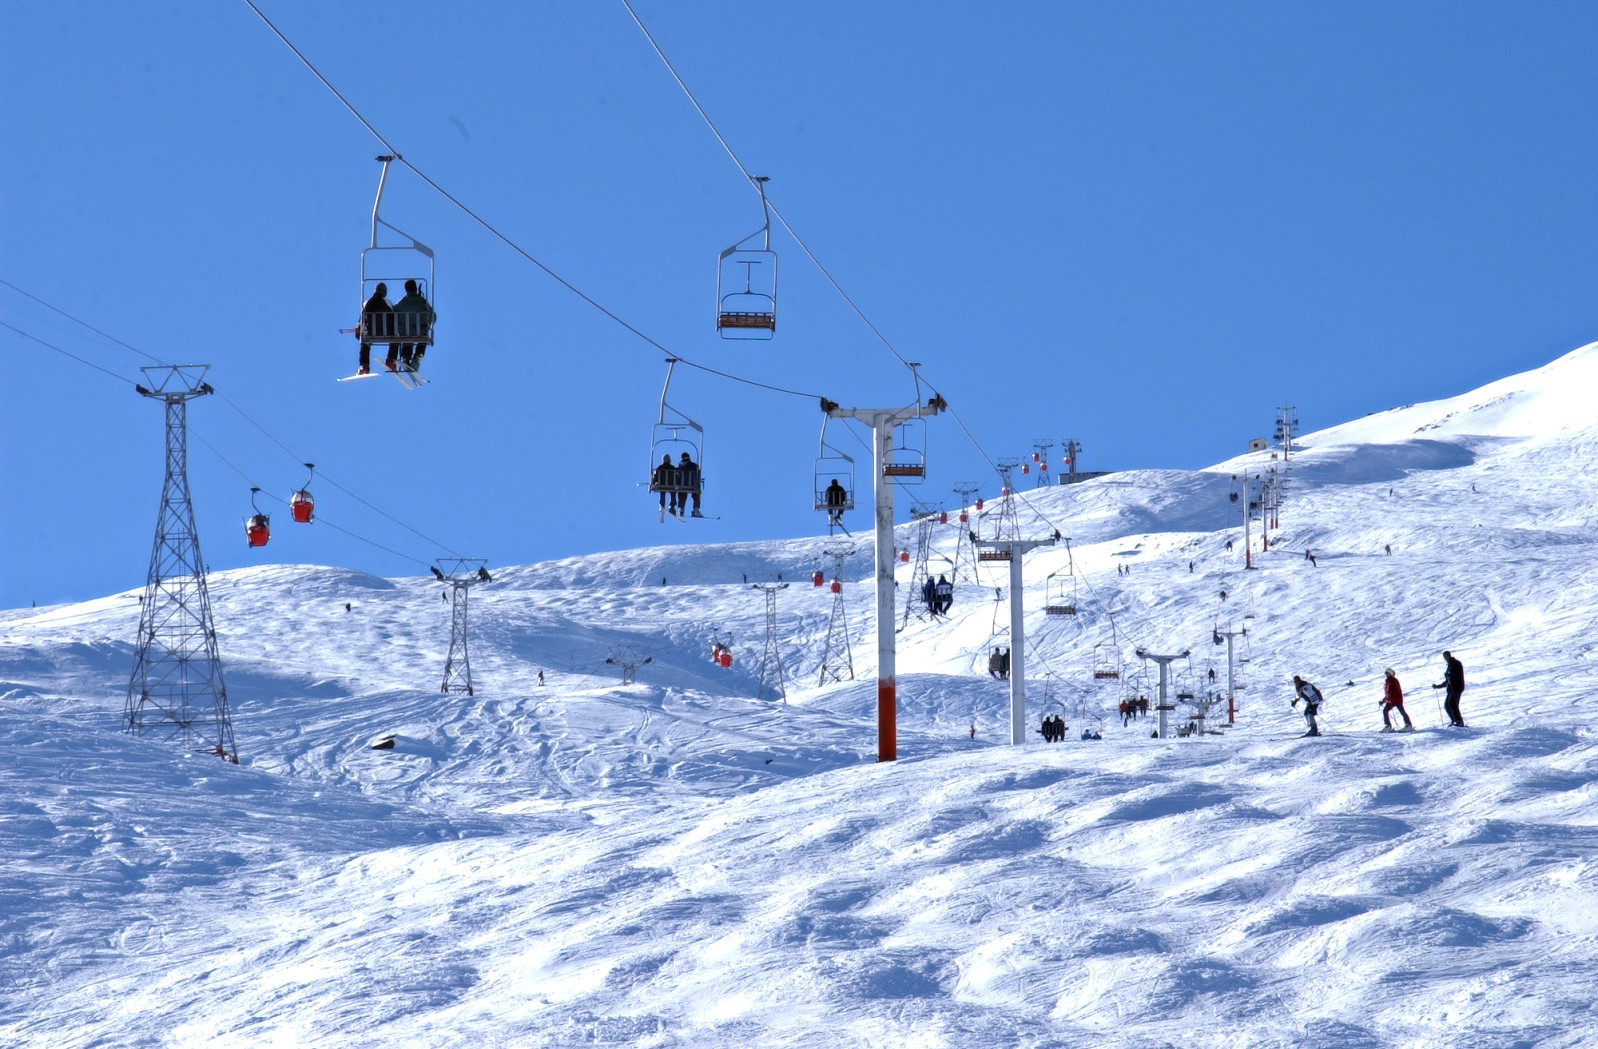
[883,470]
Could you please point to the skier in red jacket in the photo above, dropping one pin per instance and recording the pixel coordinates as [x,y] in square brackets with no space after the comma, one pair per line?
[1393,699]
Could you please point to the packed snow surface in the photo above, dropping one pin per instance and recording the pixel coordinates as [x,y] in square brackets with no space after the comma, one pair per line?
[677,862]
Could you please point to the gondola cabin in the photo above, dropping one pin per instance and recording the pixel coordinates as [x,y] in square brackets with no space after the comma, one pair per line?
[257,529]
[837,587]
[817,579]
[301,505]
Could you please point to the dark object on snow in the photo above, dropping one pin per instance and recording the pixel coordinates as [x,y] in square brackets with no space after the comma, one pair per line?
[1454,681]
[386,743]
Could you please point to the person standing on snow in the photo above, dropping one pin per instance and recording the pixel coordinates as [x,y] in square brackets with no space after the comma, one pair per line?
[1393,698]
[1312,702]
[1454,681]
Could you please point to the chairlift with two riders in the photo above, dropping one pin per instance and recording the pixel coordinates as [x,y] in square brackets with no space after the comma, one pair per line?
[382,264]
[673,437]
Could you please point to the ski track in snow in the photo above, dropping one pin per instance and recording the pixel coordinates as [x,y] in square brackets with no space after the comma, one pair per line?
[676,863]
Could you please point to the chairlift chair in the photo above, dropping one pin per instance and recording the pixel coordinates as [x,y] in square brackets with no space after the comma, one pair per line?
[673,434]
[301,505]
[1106,661]
[392,265]
[833,467]
[908,461]
[746,283]
[1060,595]
[258,526]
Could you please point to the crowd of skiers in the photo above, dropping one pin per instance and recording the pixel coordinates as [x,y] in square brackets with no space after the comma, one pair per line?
[1392,698]
[1134,708]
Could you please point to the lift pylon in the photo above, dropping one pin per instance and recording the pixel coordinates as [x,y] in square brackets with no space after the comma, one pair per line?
[882,422]
[177,687]
[461,574]
[836,657]
[1014,551]
[771,675]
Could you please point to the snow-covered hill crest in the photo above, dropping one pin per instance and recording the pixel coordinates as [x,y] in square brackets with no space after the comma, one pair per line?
[679,863]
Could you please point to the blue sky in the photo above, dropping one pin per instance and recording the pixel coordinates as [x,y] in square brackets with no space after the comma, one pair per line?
[1142,226]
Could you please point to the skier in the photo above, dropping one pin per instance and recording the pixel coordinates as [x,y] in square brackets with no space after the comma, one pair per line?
[1126,712]
[690,481]
[1393,698]
[377,319]
[666,483]
[929,596]
[945,595]
[413,318]
[837,497]
[1454,681]
[1312,702]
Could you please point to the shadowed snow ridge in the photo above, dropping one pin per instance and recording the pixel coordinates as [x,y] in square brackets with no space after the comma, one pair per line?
[676,863]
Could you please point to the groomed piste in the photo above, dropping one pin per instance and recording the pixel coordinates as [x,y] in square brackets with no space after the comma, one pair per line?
[675,863]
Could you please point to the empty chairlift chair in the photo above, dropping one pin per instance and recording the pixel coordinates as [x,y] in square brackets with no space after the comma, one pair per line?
[746,282]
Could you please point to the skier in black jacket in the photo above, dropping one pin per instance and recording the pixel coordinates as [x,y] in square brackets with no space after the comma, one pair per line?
[1454,681]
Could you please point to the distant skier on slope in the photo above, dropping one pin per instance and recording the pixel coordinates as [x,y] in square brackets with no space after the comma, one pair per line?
[1393,698]
[1454,681]
[1312,702]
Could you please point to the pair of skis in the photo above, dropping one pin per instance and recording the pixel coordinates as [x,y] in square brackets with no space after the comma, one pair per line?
[409,378]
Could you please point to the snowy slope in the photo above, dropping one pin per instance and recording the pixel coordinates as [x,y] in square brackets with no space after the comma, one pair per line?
[676,863]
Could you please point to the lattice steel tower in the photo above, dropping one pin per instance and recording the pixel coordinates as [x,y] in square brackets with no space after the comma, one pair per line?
[836,658]
[177,688]
[771,675]
[965,554]
[920,568]
[464,573]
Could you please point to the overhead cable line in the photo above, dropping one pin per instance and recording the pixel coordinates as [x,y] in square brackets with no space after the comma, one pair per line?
[231,404]
[810,255]
[504,238]
[330,480]
[320,518]
[76,320]
[67,353]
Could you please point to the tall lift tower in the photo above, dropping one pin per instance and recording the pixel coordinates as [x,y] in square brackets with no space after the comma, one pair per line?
[1040,455]
[177,688]
[836,658]
[771,675]
[883,422]
[462,574]
[1286,429]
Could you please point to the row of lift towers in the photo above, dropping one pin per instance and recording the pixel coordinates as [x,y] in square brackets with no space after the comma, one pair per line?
[177,687]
